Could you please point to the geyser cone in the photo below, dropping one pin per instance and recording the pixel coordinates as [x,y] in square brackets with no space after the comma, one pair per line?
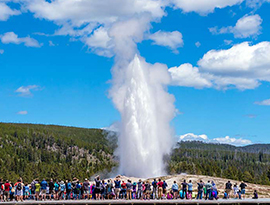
[146,111]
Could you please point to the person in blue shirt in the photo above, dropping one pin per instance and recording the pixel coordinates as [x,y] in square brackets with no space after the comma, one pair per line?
[69,189]
[62,190]
[43,188]
[117,187]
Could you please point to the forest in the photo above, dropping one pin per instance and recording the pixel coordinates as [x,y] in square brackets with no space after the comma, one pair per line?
[48,151]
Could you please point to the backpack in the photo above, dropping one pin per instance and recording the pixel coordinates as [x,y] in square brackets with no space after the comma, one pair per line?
[56,187]
[19,186]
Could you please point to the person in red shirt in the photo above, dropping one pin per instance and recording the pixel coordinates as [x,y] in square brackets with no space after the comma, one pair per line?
[160,189]
[6,190]
[124,189]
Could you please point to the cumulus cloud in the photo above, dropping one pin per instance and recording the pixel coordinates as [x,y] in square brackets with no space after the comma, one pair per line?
[247,26]
[243,66]
[188,76]
[203,6]
[221,140]
[25,91]
[11,37]
[6,12]
[22,112]
[172,40]
[264,102]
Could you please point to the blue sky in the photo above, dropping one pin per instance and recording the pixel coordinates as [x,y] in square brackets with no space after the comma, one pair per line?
[54,72]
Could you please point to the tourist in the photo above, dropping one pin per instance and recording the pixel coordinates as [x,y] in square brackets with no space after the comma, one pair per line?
[175,190]
[86,191]
[51,188]
[98,188]
[26,194]
[184,189]
[140,189]
[228,188]
[147,190]
[134,190]
[154,185]
[69,189]
[200,189]
[123,191]
[214,191]
[255,195]
[170,195]
[19,190]
[160,188]
[243,189]
[129,189]
[235,190]
[208,187]
[62,190]
[43,187]
[37,189]
[103,190]
[164,187]
[117,187]
[6,190]
[190,189]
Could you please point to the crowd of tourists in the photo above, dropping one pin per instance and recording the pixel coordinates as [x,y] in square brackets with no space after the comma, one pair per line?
[117,189]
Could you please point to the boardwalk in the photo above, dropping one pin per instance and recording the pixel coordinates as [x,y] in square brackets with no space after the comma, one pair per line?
[137,202]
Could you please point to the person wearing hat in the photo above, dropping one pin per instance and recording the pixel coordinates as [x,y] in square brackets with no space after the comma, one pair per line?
[62,190]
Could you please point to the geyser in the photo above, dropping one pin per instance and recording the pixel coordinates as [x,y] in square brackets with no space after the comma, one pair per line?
[146,110]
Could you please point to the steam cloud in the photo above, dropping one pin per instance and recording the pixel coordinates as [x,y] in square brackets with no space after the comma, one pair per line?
[139,93]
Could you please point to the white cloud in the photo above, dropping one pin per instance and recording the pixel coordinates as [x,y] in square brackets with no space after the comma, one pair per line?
[188,76]
[100,42]
[232,141]
[25,91]
[11,37]
[172,40]
[6,12]
[243,66]
[264,102]
[221,140]
[203,6]
[247,26]
[198,44]
[228,42]
[22,113]
[255,3]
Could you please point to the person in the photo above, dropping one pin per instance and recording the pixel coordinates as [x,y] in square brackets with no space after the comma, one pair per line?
[117,187]
[154,185]
[56,189]
[190,189]
[6,190]
[69,189]
[62,190]
[37,189]
[129,189]
[19,190]
[200,189]
[208,187]
[170,195]
[228,188]
[1,190]
[123,190]
[77,191]
[109,189]
[175,190]
[51,188]
[86,191]
[147,190]
[26,191]
[235,190]
[98,187]
[134,190]
[160,188]
[33,189]
[184,189]
[255,195]
[214,191]
[164,187]
[43,189]
[243,189]
[140,189]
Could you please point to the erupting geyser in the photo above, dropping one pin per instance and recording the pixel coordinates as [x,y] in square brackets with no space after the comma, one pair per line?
[146,111]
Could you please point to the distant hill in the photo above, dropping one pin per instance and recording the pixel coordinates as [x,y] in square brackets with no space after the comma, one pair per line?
[31,150]
[249,163]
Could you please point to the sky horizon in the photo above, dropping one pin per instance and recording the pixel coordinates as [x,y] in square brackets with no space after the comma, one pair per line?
[56,59]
